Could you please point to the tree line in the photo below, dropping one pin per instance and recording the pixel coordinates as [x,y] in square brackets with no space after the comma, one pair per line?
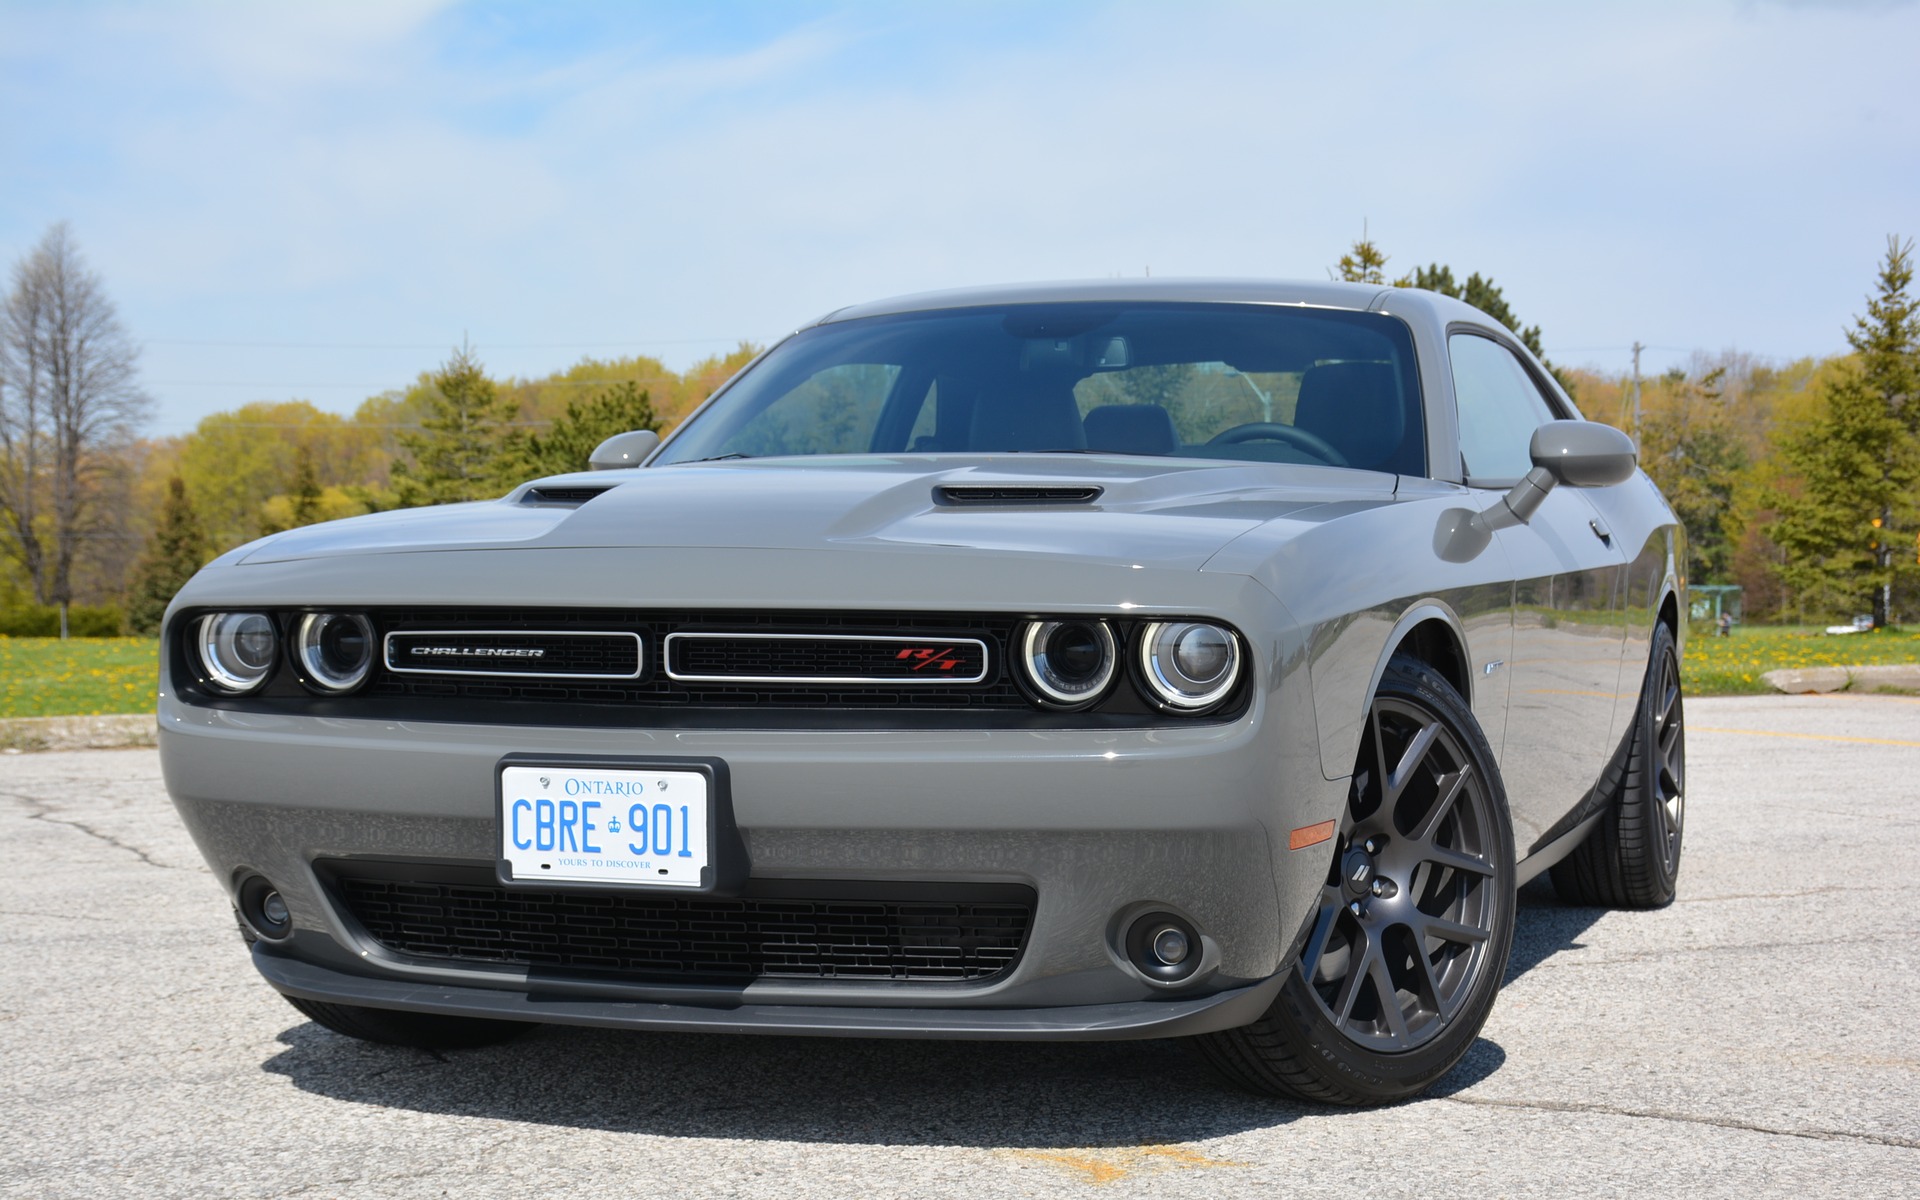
[1795,480]
[1800,482]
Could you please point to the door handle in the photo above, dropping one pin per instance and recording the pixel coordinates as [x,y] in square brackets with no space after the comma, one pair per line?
[1600,531]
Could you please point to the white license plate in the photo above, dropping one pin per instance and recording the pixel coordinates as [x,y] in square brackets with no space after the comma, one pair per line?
[568,824]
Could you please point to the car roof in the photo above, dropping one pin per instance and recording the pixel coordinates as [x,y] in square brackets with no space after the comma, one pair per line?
[1356,297]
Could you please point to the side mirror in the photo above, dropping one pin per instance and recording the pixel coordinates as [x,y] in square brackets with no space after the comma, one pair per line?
[1584,453]
[628,449]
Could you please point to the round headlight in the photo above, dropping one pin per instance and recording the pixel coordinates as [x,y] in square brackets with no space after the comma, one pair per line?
[335,650]
[1067,663]
[1188,665]
[236,650]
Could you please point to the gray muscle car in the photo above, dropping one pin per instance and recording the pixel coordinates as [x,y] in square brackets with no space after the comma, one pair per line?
[1112,660]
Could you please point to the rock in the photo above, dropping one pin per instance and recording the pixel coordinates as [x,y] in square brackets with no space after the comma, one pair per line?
[1901,677]
[114,732]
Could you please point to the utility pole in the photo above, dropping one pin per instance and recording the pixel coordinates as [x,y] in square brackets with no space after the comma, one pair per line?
[1637,348]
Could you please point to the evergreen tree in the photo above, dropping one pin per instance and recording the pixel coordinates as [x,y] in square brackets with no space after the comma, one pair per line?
[1478,291]
[573,437]
[306,488]
[177,548]
[1846,519]
[1362,264]
[454,454]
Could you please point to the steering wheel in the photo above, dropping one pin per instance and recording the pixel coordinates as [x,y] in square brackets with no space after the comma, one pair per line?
[1273,431]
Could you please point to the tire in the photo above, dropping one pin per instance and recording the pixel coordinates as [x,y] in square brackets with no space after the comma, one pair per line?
[422,1031]
[1421,880]
[1632,857]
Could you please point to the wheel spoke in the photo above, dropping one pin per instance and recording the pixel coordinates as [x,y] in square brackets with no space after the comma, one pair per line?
[1430,985]
[1379,752]
[1451,931]
[1359,962]
[1323,923]
[1389,997]
[1449,788]
[1459,861]
[1416,753]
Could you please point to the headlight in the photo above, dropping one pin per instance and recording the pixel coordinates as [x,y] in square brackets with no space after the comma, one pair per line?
[335,650]
[1067,663]
[236,650]
[1188,665]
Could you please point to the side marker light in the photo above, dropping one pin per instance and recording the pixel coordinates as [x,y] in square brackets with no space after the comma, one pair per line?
[1310,835]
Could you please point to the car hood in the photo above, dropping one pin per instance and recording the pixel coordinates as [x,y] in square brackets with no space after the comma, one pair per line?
[1168,514]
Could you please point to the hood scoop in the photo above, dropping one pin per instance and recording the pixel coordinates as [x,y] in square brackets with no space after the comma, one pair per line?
[975,495]
[572,496]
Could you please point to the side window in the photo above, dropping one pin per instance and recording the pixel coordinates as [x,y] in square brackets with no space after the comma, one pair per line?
[1499,408]
[832,412]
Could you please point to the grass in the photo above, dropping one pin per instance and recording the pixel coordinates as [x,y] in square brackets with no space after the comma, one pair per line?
[1732,666]
[46,677]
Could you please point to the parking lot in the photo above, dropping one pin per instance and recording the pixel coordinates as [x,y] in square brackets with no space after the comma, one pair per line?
[1759,1037]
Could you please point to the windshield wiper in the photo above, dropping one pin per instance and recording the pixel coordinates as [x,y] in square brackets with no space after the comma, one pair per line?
[685,462]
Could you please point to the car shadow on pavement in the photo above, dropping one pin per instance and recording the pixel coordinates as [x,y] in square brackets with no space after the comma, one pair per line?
[850,1090]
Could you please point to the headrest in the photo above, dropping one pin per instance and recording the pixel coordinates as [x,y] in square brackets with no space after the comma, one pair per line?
[1040,415]
[1132,429]
[1356,407]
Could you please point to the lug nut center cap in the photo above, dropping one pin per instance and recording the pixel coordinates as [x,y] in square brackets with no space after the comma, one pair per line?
[1356,872]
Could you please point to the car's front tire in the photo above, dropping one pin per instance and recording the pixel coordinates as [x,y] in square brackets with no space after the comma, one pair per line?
[1632,858]
[423,1031]
[1409,943]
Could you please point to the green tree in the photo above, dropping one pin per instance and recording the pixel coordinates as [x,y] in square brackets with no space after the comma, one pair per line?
[1690,445]
[454,454]
[1478,291]
[1848,515]
[1362,264]
[177,548]
[571,439]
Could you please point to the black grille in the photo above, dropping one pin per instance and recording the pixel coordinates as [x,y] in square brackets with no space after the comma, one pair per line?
[656,690]
[948,933]
[497,652]
[1010,495]
[923,661]
[573,496]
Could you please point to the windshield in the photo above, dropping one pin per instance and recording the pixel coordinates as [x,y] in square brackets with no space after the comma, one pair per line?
[1262,383]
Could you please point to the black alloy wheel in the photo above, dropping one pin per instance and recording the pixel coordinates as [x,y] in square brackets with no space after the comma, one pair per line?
[1409,940]
[1632,857]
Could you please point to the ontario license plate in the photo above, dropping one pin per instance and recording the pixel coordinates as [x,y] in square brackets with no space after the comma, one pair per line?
[581,824]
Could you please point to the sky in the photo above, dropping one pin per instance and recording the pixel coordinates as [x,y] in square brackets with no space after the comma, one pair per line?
[318,200]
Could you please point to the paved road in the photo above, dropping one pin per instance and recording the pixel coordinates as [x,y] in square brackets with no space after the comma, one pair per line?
[1759,1037]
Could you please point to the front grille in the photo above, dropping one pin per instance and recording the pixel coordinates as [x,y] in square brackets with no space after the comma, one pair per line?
[521,652]
[924,933]
[825,658]
[657,689]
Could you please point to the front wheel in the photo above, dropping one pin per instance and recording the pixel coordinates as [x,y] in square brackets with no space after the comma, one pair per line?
[1409,943]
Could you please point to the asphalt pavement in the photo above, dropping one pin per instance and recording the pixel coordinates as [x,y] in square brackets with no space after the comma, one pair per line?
[1760,1037]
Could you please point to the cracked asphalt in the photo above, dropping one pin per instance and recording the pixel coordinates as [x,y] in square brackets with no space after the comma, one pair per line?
[1756,1038]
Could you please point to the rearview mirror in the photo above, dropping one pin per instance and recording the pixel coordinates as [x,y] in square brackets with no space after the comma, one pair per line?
[1584,453]
[628,449]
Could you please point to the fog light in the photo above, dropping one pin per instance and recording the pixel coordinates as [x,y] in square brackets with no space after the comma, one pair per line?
[1169,945]
[264,909]
[1163,947]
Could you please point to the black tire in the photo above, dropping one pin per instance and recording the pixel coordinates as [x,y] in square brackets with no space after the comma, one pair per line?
[423,1031]
[1632,857]
[1435,840]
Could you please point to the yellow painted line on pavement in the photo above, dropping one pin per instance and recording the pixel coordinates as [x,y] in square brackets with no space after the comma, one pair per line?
[1812,737]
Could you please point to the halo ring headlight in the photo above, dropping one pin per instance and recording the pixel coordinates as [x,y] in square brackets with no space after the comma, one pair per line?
[334,650]
[236,650]
[1067,663]
[1188,666]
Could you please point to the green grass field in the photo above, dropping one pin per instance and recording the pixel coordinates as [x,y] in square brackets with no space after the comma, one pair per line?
[44,677]
[1732,666]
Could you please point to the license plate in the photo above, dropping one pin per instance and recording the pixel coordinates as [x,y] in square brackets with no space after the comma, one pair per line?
[595,824]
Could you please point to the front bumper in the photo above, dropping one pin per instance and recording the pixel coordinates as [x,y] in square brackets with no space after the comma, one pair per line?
[1101,824]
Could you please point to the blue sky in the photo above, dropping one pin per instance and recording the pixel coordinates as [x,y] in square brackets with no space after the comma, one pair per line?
[317,200]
